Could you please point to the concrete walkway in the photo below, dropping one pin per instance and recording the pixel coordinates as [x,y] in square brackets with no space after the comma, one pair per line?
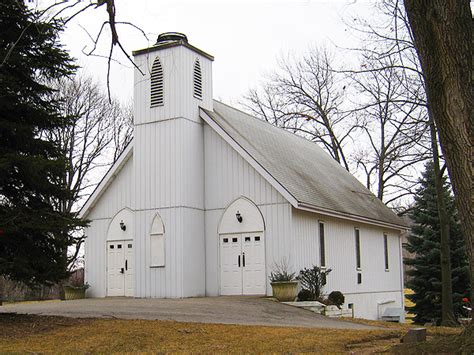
[226,310]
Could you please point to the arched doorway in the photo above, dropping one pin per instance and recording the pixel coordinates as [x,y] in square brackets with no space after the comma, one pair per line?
[120,254]
[242,249]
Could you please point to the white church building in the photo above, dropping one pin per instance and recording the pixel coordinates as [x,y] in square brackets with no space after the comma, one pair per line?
[206,199]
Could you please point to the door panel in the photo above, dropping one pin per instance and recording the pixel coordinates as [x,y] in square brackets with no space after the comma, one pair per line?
[231,274]
[115,278]
[253,280]
[120,268]
[129,269]
[242,261]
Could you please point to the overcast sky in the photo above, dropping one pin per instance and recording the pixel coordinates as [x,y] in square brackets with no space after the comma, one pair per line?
[245,37]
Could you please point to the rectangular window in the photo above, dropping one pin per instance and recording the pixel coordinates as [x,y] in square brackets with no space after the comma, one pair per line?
[357,245]
[157,250]
[322,246]
[385,250]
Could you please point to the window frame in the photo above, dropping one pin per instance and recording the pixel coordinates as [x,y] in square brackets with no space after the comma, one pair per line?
[157,84]
[160,238]
[197,80]
[385,251]
[322,245]
[157,240]
[357,249]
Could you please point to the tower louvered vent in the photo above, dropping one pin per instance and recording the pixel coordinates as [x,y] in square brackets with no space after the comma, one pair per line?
[156,98]
[197,80]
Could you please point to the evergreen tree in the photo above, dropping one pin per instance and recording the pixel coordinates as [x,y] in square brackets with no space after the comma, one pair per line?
[34,236]
[424,242]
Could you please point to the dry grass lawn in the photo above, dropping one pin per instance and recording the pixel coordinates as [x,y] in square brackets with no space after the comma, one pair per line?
[23,333]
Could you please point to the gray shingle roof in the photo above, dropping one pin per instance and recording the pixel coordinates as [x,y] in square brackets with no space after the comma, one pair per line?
[307,172]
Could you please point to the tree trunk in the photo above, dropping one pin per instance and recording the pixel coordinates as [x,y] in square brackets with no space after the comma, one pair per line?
[447,315]
[2,291]
[442,31]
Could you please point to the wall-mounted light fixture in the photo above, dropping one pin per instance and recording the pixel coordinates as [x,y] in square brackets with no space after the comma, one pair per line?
[239,217]
[122,226]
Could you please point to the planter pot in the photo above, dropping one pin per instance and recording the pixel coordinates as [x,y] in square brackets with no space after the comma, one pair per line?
[285,291]
[74,293]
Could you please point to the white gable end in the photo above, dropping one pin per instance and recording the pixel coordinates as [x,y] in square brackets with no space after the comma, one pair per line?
[115,194]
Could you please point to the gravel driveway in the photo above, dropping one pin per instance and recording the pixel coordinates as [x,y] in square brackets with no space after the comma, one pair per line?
[226,310]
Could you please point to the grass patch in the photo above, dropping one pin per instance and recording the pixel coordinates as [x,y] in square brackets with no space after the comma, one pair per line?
[445,340]
[41,334]
[404,327]
[57,334]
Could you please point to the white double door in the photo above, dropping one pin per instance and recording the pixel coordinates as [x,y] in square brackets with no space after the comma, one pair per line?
[242,264]
[120,268]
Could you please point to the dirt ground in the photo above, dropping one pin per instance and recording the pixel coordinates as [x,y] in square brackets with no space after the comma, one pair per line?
[50,334]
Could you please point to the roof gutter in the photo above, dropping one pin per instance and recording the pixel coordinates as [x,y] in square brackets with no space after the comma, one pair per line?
[311,208]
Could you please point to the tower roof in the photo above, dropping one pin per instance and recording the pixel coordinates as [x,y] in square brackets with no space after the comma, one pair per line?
[169,40]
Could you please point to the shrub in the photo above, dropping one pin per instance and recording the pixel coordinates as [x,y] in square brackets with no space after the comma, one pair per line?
[336,298]
[305,295]
[281,272]
[313,281]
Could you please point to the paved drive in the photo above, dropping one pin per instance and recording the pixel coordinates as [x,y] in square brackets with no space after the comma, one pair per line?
[227,310]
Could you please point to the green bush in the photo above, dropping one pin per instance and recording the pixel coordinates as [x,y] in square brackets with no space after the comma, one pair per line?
[305,295]
[336,298]
[313,281]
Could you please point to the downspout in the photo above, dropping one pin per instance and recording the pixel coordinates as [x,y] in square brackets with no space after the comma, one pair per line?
[402,288]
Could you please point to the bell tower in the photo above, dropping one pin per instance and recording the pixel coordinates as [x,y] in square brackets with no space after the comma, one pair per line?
[174,81]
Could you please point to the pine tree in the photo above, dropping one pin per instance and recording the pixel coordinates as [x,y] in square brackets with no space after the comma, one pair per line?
[424,242]
[34,236]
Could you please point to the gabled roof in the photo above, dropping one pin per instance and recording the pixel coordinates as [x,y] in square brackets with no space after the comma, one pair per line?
[300,168]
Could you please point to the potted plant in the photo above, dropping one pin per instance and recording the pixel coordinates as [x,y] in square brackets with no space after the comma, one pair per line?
[73,291]
[284,284]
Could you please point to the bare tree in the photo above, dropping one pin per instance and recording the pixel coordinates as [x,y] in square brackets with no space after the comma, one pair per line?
[64,11]
[306,96]
[392,38]
[99,132]
[394,127]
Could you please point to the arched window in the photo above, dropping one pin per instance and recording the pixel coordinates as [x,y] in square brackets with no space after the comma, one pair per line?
[157,242]
[197,80]
[156,93]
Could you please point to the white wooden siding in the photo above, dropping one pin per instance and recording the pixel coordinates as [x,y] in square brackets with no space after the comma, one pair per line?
[169,165]
[227,177]
[169,173]
[178,64]
[377,283]
[117,196]
[159,281]
[95,257]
